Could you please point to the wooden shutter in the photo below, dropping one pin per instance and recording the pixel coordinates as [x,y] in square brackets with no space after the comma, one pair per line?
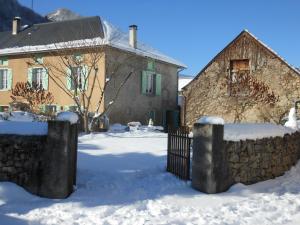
[144,82]
[68,78]
[45,79]
[158,84]
[9,79]
[29,76]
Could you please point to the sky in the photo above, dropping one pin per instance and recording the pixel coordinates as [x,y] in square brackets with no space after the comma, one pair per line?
[194,31]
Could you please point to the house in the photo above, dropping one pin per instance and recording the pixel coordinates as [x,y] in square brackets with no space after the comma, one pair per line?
[246,54]
[148,93]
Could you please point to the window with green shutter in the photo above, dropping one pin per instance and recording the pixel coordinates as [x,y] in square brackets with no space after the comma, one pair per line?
[39,59]
[3,61]
[151,83]
[38,77]
[151,65]
[77,76]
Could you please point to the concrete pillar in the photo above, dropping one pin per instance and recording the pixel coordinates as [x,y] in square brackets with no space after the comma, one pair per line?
[210,171]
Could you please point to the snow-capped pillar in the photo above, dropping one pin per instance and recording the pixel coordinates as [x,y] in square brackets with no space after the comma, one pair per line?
[58,173]
[210,171]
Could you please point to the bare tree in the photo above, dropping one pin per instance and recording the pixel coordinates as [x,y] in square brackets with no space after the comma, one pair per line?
[77,75]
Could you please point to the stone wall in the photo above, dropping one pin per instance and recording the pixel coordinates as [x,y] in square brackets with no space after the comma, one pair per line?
[43,165]
[251,161]
[207,95]
[218,164]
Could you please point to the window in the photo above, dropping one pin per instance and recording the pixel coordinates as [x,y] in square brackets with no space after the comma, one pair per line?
[50,109]
[3,61]
[3,79]
[4,108]
[37,77]
[151,83]
[239,69]
[76,77]
[73,108]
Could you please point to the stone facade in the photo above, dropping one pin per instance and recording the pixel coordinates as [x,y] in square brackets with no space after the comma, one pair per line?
[207,94]
[251,161]
[43,165]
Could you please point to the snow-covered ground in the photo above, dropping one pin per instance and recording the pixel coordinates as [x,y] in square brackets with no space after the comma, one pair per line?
[122,180]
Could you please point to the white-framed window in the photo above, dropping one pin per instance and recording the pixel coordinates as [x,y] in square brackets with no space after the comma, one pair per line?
[50,109]
[77,78]
[37,77]
[3,79]
[151,83]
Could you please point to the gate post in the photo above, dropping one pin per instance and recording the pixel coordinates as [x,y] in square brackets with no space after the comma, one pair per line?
[210,171]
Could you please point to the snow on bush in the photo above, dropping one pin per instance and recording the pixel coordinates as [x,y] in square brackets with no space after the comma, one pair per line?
[23,128]
[68,116]
[211,120]
[292,120]
[253,131]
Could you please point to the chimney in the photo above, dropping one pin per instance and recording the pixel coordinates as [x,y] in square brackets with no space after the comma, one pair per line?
[16,25]
[133,36]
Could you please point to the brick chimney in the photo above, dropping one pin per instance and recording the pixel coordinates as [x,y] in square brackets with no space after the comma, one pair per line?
[133,36]
[16,25]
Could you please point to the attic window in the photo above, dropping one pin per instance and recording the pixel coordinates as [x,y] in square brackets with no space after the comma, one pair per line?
[239,69]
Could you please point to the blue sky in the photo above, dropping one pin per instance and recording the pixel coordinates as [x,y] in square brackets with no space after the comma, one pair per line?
[194,31]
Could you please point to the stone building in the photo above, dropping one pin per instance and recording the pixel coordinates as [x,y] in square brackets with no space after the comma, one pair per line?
[148,93]
[207,94]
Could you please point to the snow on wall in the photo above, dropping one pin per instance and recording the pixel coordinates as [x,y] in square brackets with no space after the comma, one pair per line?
[252,131]
[23,128]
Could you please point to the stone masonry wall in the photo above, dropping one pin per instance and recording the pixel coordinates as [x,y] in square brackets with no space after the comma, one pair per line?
[43,165]
[218,164]
[20,158]
[207,95]
[251,161]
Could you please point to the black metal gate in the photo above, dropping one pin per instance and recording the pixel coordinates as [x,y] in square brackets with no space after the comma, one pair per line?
[179,144]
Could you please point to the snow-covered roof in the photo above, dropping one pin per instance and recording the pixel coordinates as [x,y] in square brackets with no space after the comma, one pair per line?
[260,42]
[83,32]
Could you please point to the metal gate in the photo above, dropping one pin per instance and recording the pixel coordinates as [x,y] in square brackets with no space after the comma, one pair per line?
[179,144]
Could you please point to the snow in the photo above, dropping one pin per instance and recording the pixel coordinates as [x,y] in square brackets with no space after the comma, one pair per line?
[183,81]
[292,120]
[20,116]
[211,120]
[23,128]
[67,116]
[122,180]
[113,37]
[252,131]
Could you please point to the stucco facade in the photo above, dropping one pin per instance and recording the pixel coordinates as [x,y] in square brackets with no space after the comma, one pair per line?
[207,95]
[130,105]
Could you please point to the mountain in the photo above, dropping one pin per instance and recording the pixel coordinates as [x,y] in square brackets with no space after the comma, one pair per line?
[13,8]
[62,14]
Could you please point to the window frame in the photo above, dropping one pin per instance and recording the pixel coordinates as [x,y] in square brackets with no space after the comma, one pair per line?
[5,87]
[41,74]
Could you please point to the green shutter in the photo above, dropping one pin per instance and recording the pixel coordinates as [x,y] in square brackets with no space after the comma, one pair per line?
[29,77]
[151,65]
[158,84]
[39,59]
[144,82]
[84,76]
[4,61]
[9,79]
[45,79]
[68,77]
